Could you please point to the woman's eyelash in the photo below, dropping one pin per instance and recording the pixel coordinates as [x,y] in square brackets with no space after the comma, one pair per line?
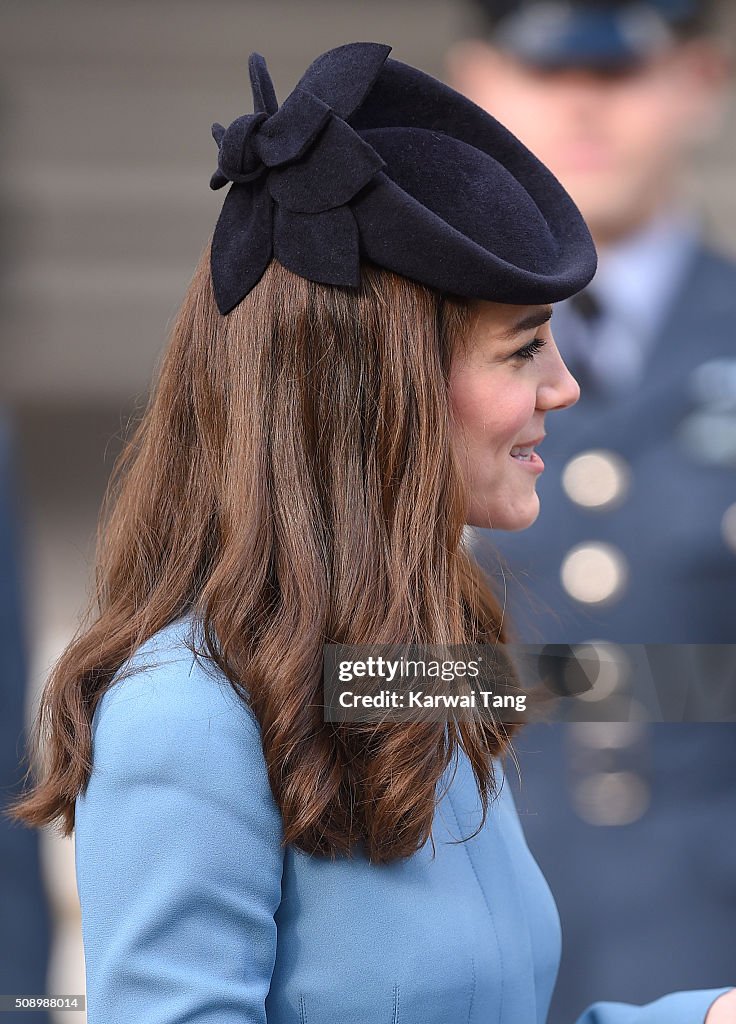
[530,350]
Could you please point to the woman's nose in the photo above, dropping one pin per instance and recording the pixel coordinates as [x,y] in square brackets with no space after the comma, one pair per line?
[559,389]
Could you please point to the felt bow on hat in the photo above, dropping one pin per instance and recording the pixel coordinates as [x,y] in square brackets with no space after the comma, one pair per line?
[294,168]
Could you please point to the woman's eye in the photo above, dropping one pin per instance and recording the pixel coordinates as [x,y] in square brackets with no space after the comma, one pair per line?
[530,350]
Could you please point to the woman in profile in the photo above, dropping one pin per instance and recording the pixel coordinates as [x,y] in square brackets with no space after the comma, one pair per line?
[361,367]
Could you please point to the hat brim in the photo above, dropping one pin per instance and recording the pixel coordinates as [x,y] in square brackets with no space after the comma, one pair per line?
[461,186]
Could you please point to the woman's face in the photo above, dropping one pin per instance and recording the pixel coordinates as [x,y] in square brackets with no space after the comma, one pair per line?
[500,390]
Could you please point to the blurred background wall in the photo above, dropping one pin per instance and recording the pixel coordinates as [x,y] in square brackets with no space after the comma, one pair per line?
[104,209]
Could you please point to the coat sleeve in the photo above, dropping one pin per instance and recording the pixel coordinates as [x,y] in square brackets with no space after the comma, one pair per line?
[178,854]
[674,1008]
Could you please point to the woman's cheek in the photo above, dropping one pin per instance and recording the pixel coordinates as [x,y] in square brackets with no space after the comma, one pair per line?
[514,408]
[469,399]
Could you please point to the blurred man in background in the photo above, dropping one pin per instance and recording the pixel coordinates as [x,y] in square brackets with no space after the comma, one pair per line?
[24,912]
[636,540]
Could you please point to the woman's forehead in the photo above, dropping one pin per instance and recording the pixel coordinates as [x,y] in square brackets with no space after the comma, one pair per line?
[511,319]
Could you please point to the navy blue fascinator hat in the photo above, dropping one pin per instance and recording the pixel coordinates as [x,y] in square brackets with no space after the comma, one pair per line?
[370,158]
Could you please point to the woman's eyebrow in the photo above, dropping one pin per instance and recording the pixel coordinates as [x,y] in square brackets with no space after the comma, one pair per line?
[527,323]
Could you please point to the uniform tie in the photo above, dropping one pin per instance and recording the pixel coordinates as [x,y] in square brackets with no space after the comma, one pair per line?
[602,350]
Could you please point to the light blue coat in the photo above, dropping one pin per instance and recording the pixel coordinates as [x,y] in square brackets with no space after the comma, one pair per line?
[193,914]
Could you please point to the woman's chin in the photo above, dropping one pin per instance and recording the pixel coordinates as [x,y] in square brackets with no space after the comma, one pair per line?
[506,518]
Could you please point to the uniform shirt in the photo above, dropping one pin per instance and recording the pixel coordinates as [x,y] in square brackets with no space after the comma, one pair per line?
[634,288]
[193,913]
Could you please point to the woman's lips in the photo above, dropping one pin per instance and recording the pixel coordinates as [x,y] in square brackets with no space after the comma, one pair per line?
[533,462]
[524,453]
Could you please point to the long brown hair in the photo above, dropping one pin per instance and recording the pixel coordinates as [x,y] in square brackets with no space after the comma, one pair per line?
[293,481]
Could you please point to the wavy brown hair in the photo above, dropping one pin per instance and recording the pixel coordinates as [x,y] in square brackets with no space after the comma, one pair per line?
[292,481]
